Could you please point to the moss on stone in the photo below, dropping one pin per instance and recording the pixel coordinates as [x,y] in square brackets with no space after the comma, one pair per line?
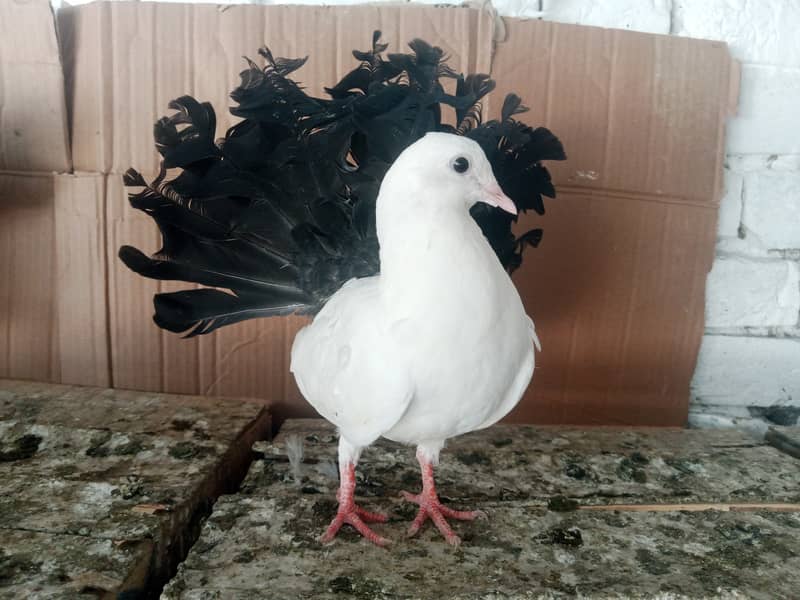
[474,457]
[562,504]
[97,445]
[570,536]
[22,448]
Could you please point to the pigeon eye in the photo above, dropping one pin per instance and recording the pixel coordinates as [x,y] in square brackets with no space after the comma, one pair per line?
[460,165]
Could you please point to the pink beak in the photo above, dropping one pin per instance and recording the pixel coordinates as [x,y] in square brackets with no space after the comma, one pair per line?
[494,196]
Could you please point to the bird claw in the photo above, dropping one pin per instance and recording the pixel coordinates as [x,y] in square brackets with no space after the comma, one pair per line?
[371,517]
[431,508]
[357,518]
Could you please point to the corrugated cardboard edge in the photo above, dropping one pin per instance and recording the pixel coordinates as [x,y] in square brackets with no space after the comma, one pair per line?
[34,134]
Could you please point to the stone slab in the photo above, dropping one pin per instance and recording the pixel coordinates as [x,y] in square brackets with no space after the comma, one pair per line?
[47,566]
[130,469]
[545,537]
[535,464]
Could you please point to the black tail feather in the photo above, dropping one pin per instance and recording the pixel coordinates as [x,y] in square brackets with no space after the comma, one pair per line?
[170,270]
[281,211]
[204,310]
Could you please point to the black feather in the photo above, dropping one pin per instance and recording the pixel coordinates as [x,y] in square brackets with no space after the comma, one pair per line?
[281,212]
[132,178]
[512,105]
[204,310]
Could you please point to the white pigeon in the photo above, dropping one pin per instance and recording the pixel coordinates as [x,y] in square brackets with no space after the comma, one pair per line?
[437,345]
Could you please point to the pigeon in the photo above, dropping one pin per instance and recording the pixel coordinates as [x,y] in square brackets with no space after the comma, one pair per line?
[435,346]
[370,211]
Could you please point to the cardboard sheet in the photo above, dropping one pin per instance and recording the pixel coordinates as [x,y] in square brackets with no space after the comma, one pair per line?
[53,305]
[617,286]
[81,268]
[616,289]
[28,323]
[33,116]
[125,61]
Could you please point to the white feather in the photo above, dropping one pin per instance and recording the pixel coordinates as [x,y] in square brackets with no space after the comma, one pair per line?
[294,452]
[346,365]
[439,343]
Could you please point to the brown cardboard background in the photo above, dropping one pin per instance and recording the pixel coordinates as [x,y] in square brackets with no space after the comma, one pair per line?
[33,116]
[27,268]
[124,61]
[616,288]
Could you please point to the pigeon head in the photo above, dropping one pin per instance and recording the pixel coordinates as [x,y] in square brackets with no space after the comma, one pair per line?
[448,170]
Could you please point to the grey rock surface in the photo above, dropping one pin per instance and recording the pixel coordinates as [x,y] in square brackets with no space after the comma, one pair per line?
[101,490]
[545,537]
[786,439]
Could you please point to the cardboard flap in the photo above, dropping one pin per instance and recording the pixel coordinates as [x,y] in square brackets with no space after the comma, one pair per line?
[27,271]
[33,116]
[126,61]
[637,113]
[616,288]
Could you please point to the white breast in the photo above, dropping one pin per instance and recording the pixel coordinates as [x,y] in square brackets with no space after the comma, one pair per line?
[462,330]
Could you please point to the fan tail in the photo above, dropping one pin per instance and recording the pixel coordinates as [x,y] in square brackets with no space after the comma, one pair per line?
[278,214]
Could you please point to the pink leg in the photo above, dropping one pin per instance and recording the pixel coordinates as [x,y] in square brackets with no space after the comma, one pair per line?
[430,507]
[350,513]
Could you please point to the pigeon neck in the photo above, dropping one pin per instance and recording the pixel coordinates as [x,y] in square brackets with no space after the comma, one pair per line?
[425,246]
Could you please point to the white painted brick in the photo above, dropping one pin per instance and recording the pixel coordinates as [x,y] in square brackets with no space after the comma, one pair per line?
[757,32]
[701,417]
[767,121]
[747,371]
[772,208]
[777,332]
[517,8]
[730,207]
[745,163]
[721,410]
[748,246]
[652,16]
[743,292]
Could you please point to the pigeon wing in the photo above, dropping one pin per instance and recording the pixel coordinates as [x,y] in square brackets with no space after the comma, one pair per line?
[346,367]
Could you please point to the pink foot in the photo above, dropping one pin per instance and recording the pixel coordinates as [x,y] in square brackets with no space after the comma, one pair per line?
[357,518]
[353,515]
[431,508]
